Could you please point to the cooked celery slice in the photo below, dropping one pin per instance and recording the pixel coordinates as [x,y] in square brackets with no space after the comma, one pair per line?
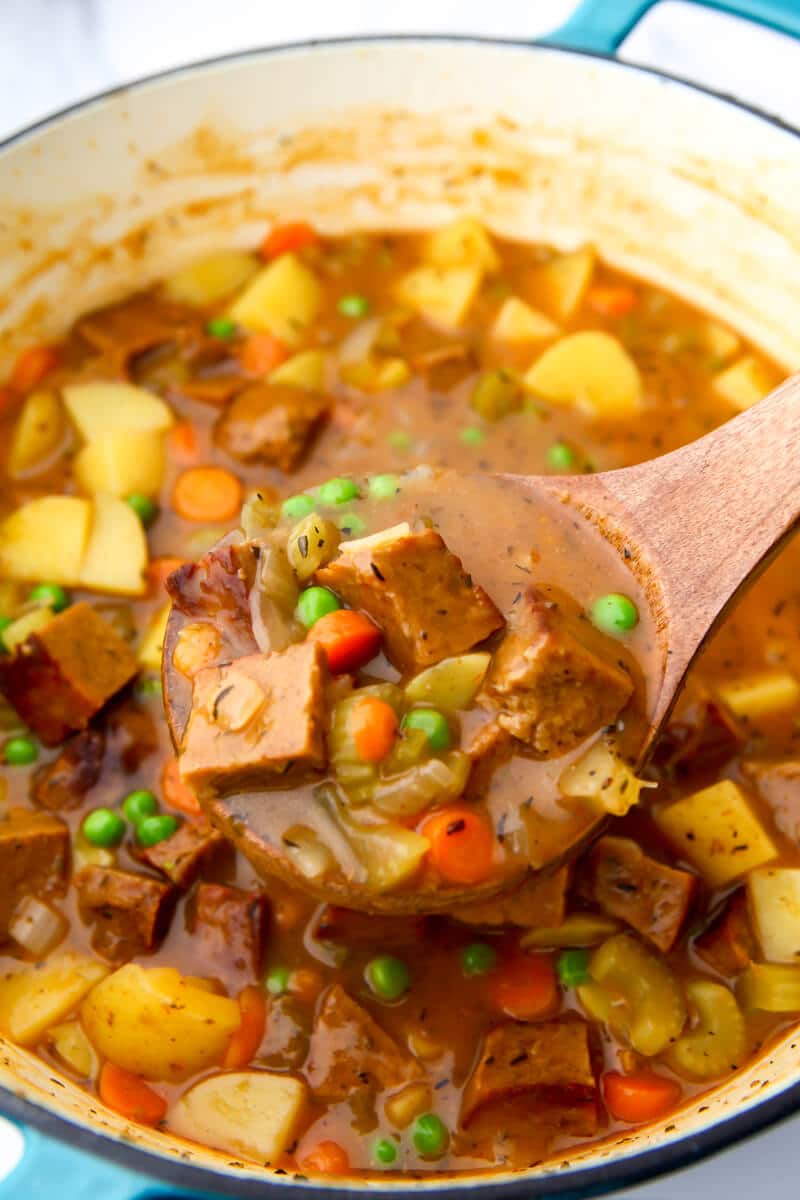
[451,684]
[716,1042]
[770,987]
[579,929]
[439,780]
[640,995]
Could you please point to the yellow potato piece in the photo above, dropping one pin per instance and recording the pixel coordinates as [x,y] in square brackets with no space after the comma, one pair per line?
[38,996]
[250,1114]
[99,408]
[560,285]
[463,243]
[443,294]
[760,693]
[46,539]
[603,776]
[38,434]
[376,374]
[122,463]
[717,830]
[518,323]
[155,1023]
[303,370]
[72,1046]
[745,383]
[579,929]
[148,654]
[116,555]
[282,299]
[212,278]
[590,370]
[720,342]
[774,897]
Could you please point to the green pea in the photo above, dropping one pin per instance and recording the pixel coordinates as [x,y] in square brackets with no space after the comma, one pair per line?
[572,967]
[384,1152]
[19,751]
[297,507]
[152,830]
[145,508]
[351,524]
[277,980]
[150,685]
[4,624]
[432,723]
[478,958]
[429,1135]
[471,436]
[387,977]
[338,491]
[138,805]
[50,595]
[315,602]
[614,613]
[560,456]
[103,827]
[381,487]
[400,441]
[353,306]
[221,327]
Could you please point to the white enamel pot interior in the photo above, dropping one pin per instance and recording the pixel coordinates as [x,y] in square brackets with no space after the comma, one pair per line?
[667,181]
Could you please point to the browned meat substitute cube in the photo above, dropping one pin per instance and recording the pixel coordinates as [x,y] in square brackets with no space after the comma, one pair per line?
[652,897]
[271,424]
[350,1052]
[728,943]
[778,785]
[34,851]
[547,685]
[129,913]
[183,856]
[123,330]
[256,720]
[230,926]
[65,672]
[64,782]
[417,591]
[545,1067]
[540,900]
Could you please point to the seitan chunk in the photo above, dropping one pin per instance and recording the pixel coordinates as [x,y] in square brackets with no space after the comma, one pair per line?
[120,331]
[539,901]
[778,785]
[728,944]
[183,856]
[273,424]
[627,883]
[547,1064]
[64,782]
[350,1052]
[548,686]
[132,734]
[65,672]
[129,913]
[230,927]
[335,924]
[703,738]
[256,720]
[417,592]
[34,852]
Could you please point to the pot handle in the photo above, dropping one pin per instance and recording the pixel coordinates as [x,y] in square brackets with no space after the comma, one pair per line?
[601,26]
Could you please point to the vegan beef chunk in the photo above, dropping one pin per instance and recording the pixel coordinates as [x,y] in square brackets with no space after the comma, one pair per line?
[704,737]
[540,901]
[65,672]
[545,1065]
[271,424]
[418,593]
[63,783]
[123,330]
[728,944]
[230,926]
[778,785]
[129,913]
[548,687]
[256,721]
[350,1052]
[183,856]
[652,897]
[34,852]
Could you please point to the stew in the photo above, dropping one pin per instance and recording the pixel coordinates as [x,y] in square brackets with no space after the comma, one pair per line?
[248,466]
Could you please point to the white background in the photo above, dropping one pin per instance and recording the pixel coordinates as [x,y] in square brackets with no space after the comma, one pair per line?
[54,52]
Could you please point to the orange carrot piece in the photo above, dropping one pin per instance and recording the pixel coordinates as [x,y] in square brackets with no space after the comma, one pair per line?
[207,494]
[130,1096]
[462,845]
[612,300]
[285,238]
[158,571]
[348,638]
[260,353]
[176,793]
[373,728]
[7,400]
[327,1158]
[182,443]
[643,1096]
[525,987]
[33,365]
[243,1046]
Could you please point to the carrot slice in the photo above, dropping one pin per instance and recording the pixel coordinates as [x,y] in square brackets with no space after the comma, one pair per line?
[612,300]
[462,845]
[261,353]
[643,1096]
[175,792]
[158,571]
[32,366]
[327,1158]
[243,1046]
[182,442]
[348,638]
[525,986]
[285,238]
[373,728]
[207,494]
[7,400]
[130,1096]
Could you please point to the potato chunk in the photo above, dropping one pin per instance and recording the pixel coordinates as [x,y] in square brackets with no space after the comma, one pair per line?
[759,693]
[211,278]
[303,370]
[774,896]
[116,555]
[518,323]
[46,539]
[282,299]
[38,434]
[252,1114]
[157,1024]
[717,830]
[99,408]
[38,996]
[121,463]
[442,294]
[559,285]
[462,243]
[745,383]
[590,370]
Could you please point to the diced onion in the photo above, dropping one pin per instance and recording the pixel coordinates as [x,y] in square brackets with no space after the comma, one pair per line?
[358,344]
[307,852]
[36,927]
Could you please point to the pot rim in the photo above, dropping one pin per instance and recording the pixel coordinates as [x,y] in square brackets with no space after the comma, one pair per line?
[583,1182]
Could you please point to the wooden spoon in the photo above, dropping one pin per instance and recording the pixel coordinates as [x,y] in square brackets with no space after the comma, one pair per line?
[694,526]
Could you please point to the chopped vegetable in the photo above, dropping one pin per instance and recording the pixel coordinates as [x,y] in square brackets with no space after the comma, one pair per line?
[479,958]
[316,603]
[46,538]
[99,408]
[37,927]
[130,1096]
[589,370]
[524,987]
[432,723]
[614,613]
[37,996]
[207,494]
[716,1041]
[462,845]
[774,895]
[388,977]
[635,993]
[284,239]
[404,1106]
[579,929]
[33,365]
[745,383]
[718,831]
[496,394]
[297,506]
[38,435]
[14,633]
[348,638]
[641,1096]
[519,324]
[303,370]
[277,980]
[71,1045]
[602,776]
[612,300]
[116,553]
[149,651]
[437,781]
[245,1042]
[251,1114]
[770,987]
[327,1158]
[312,544]
[282,299]
[451,684]
[760,693]
[50,595]
[373,727]
[261,354]
[560,284]
[462,243]
[212,278]
[443,294]
[176,793]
